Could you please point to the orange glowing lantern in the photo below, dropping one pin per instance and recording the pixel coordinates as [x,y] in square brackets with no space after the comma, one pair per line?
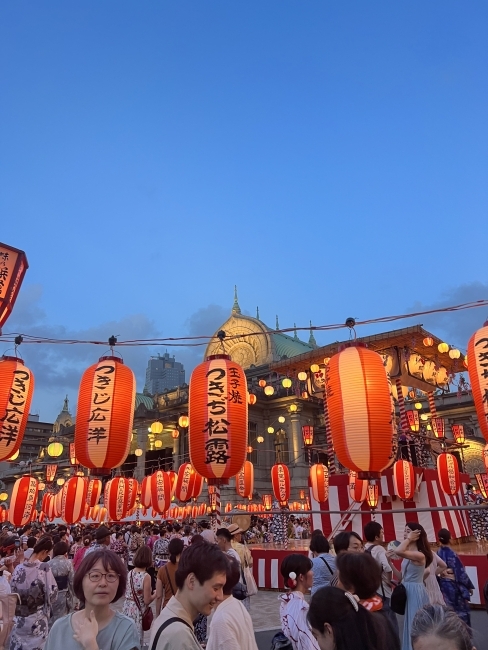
[133,491]
[16,388]
[458,433]
[94,492]
[307,433]
[23,500]
[160,491]
[267,502]
[117,498]
[262,383]
[51,473]
[485,456]
[175,434]
[197,486]
[438,427]
[245,480]
[146,492]
[73,500]
[477,360]
[428,341]
[482,480]
[72,454]
[448,473]
[218,418]
[252,399]
[413,421]
[372,495]
[185,483]
[404,479]
[319,481]
[184,421]
[105,415]
[173,477]
[358,488]
[280,480]
[13,265]
[360,410]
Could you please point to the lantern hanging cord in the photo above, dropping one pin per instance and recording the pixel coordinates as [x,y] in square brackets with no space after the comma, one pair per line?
[204,340]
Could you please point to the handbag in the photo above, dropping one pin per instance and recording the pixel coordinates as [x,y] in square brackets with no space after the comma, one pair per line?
[248,576]
[240,591]
[398,601]
[147,616]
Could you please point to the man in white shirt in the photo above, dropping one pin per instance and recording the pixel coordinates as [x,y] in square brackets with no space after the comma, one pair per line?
[231,626]
[200,578]
[207,533]
[224,539]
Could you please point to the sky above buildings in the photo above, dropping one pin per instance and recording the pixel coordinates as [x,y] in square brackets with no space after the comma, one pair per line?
[330,159]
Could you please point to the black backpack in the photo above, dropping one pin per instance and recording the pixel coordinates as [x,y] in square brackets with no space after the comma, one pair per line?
[280,642]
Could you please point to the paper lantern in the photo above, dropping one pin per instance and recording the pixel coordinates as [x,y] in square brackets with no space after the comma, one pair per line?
[3,496]
[175,434]
[358,488]
[51,473]
[438,427]
[482,480]
[218,419]
[156,427]
[185,483]
[319,482]
[146,492]
[267,502]
[443,347]
[47,505]
[404,479]
[458,433]
[269,390]
[72,454]
[133,492]
[360,410]
[372,495]
[117,498]
[252,399]
[94,491]
[13,265]
[173,477]
[477,361]
[16,388]
[262,383]
[55,449]
[102,515]
[485,456]
[448,473]
[245,480]
[286,382]
[413,421]
[3,515]
[307,434]
[105,415]
[428,341]
[23,500]
[280,480]
[302,376]
[58,503]
[74,500]
[184,421]
[160,491]
[197,486]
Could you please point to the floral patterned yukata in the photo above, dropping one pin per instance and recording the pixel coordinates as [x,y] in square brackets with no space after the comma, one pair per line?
[37,588]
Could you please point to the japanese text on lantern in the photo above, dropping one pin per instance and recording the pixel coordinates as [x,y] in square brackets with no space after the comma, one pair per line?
[222,388]
[406,478]
[120,509]
[101,403]
[5,271]
[451,473]
[185,483]
[281,483]
[30,498]
[14,412]
[482,359]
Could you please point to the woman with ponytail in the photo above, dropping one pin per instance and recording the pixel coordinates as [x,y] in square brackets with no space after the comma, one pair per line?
[296,570]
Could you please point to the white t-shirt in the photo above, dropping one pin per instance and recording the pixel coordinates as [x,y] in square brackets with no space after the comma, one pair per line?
[231,627]
[379,554]
[209,535]
[233,553]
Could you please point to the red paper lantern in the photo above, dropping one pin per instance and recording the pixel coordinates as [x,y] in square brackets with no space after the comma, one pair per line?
[133,491]
[280,480]
[105,414]
[448,472]
[307,433]
[3,515]
[477,356]
[404,479]
[482,480]
[319,481]
[218,418]
[117,498]
[438,427]
[94,492]
[173,477]
[72,454]
[146,492]
[58,503]
[485,456]
[16,388]
[413,421]
[13,265]
[458,433]
[360,410]
[267,503]
[245,480]
[160,491]
[74,500]
[23,500]
[185,483]
[358,488]
[372,495]
[51,473]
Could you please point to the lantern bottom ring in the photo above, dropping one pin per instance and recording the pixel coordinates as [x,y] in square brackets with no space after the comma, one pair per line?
[369,476]
[218,481]
[100,471]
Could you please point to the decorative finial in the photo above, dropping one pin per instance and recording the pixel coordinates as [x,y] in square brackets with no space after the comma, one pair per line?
[235,307]
[257,313]
[277,323]
[65,407]
[295,335]
[311,340]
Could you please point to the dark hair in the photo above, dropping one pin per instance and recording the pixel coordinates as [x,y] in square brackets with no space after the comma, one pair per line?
[61,548]
[203,560]
[44,544]
[155,530]
[162,531]
[233,574]
[31,542]
[87,541]
[110,560]
[223,532]
[296,563]
[78,538]
[196,539]
[204,524]
[143,557]
[169,528]
[372,530]
[359,573]
[317,531]
[353,628]
[56,539]
[442,622]
[134,529]
[175,548]
[187,530]
[341,540]
[422,542]
[319,544]
[444,536]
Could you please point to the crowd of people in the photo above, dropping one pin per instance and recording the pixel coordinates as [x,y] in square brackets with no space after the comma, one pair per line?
[60,586]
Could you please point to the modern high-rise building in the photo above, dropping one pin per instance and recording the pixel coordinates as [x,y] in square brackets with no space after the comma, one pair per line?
[162,373]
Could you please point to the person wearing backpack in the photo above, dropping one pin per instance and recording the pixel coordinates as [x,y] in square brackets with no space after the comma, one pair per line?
[375,538]
[323,562]
[135,542]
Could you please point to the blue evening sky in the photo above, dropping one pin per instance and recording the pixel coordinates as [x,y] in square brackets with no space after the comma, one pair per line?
[329,158]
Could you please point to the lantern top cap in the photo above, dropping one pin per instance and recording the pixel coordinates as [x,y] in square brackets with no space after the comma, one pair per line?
[7,358]
[212,357]
[351,344]
[111,358]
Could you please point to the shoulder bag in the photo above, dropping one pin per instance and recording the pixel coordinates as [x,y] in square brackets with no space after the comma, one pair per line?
[252,588]
[175,619]
[398,600]
[169,579]
[147,616]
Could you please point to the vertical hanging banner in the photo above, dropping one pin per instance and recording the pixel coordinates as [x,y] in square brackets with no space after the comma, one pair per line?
[218,403]
[16,388]
[13,265]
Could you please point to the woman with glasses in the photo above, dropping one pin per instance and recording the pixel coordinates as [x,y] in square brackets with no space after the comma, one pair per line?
[99,581]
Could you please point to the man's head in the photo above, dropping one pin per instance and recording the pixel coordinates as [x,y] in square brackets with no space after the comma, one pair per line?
[373,533]
[201,576]
[102,536]
[224,539]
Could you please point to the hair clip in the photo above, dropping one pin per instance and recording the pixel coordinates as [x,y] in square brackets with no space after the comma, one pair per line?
[352,599]
[292,579]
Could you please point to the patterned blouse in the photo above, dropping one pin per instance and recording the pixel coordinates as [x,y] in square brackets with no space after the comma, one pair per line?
[293,615]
